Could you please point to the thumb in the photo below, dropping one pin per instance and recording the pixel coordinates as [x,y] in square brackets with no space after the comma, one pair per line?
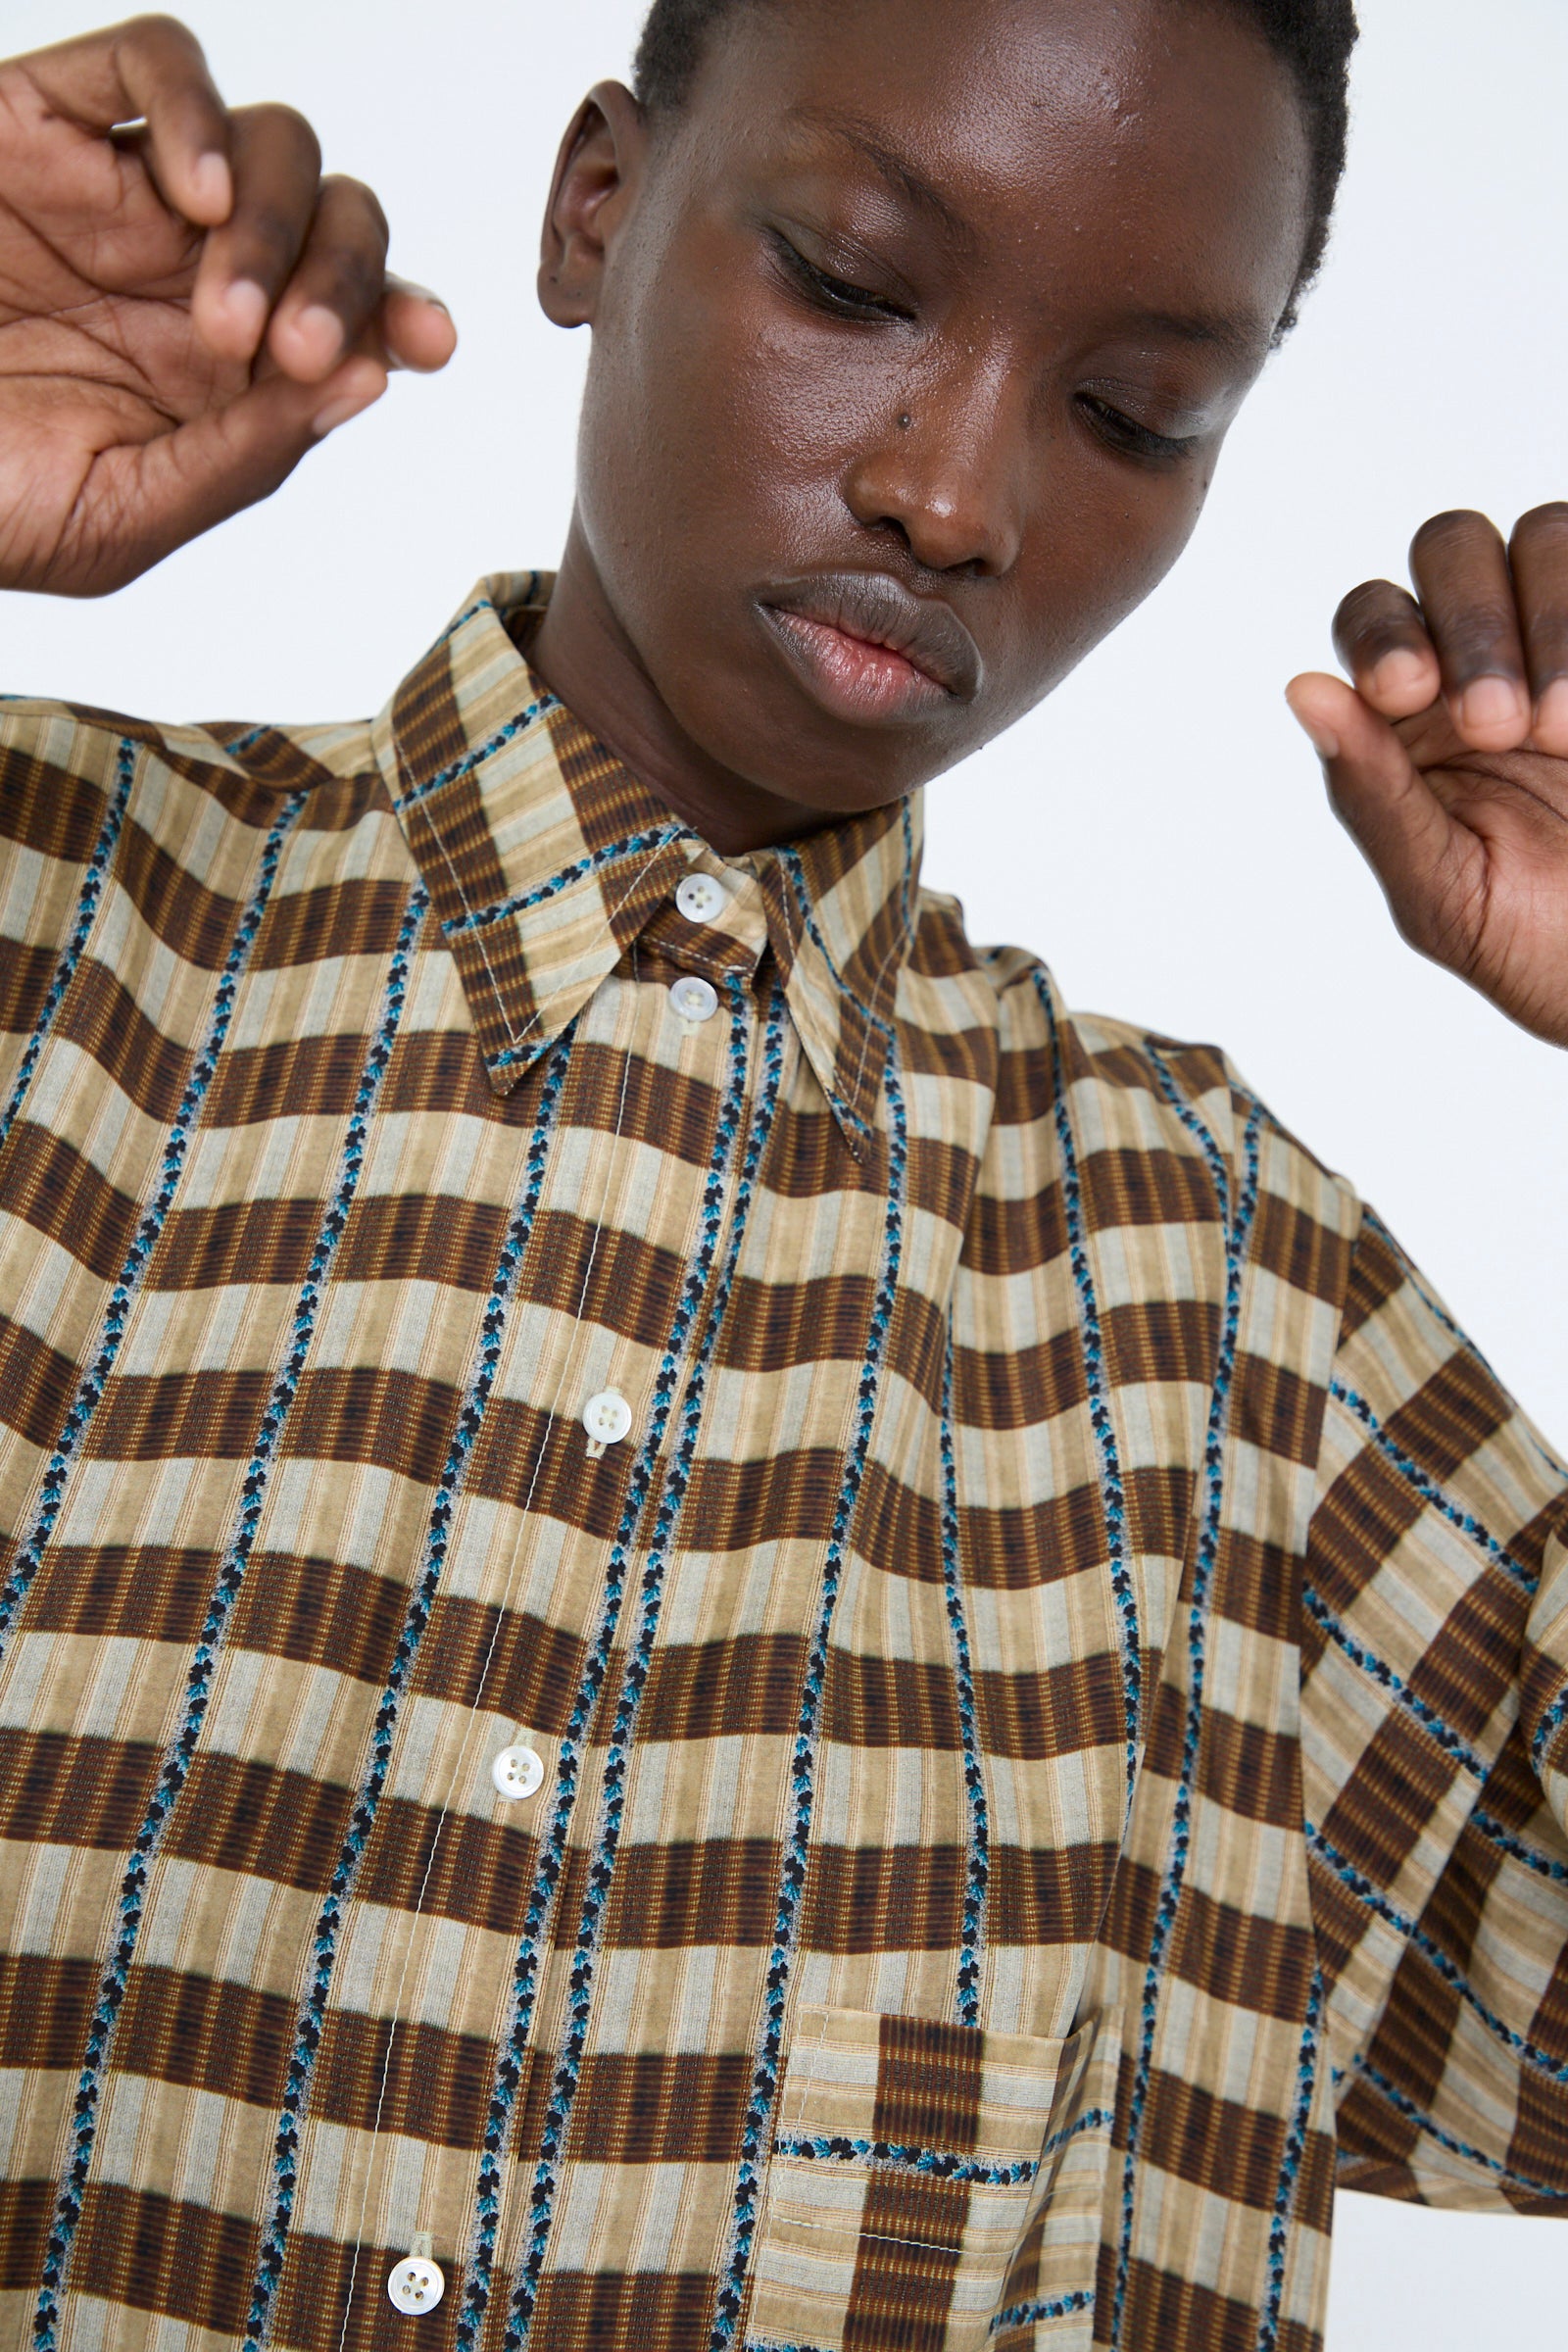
[166,492]
[1421,857]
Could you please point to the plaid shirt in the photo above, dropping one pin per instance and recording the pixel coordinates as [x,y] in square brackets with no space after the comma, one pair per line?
[708,1617]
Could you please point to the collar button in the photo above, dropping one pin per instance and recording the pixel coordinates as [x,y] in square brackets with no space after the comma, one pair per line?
[701,898]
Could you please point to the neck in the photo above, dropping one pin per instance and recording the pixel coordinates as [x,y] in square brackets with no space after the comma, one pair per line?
[585,658]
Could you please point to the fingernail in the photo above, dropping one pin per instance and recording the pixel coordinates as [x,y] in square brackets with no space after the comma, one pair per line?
[423,294]
[1491,706]
[244,306]
[1397,675]
[338,411]
[212,185]
[321,331]
[1323,740]
[1551,712]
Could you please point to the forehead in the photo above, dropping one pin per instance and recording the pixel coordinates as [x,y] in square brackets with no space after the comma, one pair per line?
[1164,131]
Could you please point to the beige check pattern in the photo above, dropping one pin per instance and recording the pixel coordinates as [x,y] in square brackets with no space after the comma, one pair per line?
[1054,1715]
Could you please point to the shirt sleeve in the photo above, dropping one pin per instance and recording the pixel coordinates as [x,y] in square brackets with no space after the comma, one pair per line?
[1435,1749]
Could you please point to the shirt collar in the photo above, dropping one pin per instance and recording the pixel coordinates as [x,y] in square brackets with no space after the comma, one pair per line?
[546,859]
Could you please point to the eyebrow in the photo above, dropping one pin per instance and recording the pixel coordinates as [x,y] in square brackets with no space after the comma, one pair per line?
[1238,335]
[893,167]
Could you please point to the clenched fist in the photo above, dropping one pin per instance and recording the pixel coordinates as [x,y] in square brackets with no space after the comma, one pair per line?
[185,305]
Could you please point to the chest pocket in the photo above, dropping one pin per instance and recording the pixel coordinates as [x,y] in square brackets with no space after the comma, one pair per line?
[933,2189]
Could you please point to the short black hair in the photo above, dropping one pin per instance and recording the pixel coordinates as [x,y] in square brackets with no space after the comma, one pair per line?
[1312,38]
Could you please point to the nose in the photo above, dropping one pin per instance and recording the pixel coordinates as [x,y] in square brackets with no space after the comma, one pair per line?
[946,472]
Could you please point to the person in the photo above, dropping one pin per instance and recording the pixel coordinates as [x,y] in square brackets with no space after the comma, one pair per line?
[719,1632]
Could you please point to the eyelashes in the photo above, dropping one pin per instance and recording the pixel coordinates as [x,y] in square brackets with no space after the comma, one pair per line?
[1126,433]
[839,297]
[835,295]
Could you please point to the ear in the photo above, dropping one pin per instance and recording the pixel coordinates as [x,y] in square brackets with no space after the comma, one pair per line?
[597,174]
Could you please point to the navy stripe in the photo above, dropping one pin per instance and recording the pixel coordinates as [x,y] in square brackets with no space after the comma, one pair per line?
[1429,1492]
[936,2164]
[1029,2314]
[1291,2162]
[87,905]
[1362,1888]
[1546,1866]
[475,759]
[634,845]
[790,861]
[89,1394]
[971,1960]
[1239,1227]
[1413,2114]
[417,1619]
[177,1759]
[765,2070]
[1113,1493]
[1546,1730]
[657,1557]
[1386,1678]
[940,2164]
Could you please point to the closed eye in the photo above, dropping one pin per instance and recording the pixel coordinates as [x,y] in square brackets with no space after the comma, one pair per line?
[835,295]
[1124,434]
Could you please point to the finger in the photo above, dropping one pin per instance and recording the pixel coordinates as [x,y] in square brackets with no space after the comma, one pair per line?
[1429,866]
[248,262]
[1380,636]
[335,292]
[149,69]
[1538,559]
[1460,568]
[187,481]
[416,327]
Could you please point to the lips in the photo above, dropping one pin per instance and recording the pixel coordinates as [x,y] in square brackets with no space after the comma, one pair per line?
[867,644]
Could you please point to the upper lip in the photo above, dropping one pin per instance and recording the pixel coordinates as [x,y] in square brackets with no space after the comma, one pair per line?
[880,610]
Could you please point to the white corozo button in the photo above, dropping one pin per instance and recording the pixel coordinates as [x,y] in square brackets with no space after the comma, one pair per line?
[701,898]
[517,1770]
[416,2286]
[607,1418]
[695,999]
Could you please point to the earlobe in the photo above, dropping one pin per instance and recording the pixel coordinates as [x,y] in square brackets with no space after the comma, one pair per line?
[597,173]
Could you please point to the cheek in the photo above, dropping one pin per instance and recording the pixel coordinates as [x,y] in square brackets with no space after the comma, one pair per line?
[719,408]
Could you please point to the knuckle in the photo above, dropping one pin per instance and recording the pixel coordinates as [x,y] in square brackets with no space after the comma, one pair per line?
[268,238]
[1444,538]
[1375,620]
[353,196]
[1373,601]
[1481,643]
[167,45]
[283,127]
[357,280]
[156,25]
[1545,524]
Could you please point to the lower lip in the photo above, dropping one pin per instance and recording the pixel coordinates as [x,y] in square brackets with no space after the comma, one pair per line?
[852,679]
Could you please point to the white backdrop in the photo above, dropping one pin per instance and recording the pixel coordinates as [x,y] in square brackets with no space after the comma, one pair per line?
[1428,372]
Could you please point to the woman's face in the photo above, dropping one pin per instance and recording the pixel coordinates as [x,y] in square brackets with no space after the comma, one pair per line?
[917,336]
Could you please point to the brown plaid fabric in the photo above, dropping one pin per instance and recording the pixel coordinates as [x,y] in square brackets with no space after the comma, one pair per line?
[1049,1668]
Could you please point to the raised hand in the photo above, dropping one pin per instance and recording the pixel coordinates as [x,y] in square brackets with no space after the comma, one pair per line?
[185,305]
[1447,760]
